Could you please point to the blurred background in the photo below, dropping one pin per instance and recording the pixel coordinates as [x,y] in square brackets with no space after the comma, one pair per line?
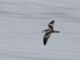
[21,25]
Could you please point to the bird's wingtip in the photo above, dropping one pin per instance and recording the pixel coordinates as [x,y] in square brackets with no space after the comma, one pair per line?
[53,20]
[44,44]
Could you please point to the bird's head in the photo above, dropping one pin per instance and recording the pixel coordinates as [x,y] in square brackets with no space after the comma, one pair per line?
[44,31]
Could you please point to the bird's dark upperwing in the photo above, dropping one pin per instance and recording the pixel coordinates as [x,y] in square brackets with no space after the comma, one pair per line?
[46,37]
[51,23]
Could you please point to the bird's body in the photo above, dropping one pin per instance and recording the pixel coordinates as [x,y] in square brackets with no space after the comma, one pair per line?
[48,32]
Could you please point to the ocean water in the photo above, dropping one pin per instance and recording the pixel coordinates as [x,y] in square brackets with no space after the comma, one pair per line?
[21,25]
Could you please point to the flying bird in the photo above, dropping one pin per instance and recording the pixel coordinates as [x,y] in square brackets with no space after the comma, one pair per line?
[48,32]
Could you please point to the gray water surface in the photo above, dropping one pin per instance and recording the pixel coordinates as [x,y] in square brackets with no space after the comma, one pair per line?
[21,25]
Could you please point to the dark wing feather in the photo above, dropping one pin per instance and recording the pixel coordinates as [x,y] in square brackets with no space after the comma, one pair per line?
[46,37]
[50,25]
[52,22]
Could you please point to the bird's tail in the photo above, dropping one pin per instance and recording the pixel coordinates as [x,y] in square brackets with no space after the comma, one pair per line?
[56,31]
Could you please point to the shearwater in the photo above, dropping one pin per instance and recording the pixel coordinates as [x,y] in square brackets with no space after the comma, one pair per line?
[48,32]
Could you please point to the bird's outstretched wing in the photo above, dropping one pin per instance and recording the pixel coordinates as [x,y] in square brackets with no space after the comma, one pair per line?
[46,37]
[50,25]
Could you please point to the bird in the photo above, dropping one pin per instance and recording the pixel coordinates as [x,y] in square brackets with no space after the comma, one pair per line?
[49,31]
